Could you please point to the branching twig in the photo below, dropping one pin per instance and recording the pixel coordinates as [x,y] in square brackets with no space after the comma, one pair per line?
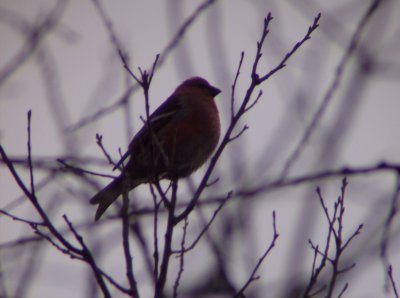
[181,259]
[207,226]
[108,24]
[387,227]
[126,247]
[344,171]
[82,171]
[331,90]
[253,276]
[33,38]
[33,224]
[166,257]
[35,203]
[121,101]
[99,141]
[144,82]
[335,232]
[256,80]
[234,86]
[282,64]
[244,128]
[392,282]
[88,257]
[65,246]
[254,192]
[184,27]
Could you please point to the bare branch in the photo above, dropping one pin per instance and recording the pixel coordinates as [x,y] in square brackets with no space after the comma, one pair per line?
[133,290]
[182,30]
[33,38]
[253,276]
[88,257]
[82,171]
[244,128]
[335,228]
[235,119]
[392,282]
[389,221]
[234,85]
[99,141]
[332,88]
[282,64]
[181,259]
[207,226]
[162,277]
[33,224]
[163,56]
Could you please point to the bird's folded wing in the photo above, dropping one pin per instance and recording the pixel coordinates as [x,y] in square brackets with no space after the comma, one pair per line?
[158,120]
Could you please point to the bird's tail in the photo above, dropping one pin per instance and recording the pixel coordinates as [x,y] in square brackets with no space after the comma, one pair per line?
[107,196]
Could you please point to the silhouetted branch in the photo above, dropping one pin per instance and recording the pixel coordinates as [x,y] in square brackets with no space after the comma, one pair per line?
[181,259]
[253,276]
[88,257]
[207,226]
[334,240]
[133,290]
[26,221]
[64,246]
[344,62]
[121,101]
[242,110]
[34,35]
[166,256]
[392,282]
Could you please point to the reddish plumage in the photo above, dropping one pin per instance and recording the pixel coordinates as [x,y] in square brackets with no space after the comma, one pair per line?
[186,130]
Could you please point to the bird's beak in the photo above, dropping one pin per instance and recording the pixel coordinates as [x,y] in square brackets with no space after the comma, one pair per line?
[214,91]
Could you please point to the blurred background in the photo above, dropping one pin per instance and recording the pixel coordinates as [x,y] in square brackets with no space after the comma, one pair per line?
[60,59]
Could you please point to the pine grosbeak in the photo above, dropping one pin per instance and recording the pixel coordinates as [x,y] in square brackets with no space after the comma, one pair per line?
[185,130]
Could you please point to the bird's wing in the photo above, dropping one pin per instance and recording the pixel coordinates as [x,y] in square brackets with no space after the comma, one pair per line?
[158,119]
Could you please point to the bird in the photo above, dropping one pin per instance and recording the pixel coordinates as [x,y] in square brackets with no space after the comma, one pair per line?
[182,134]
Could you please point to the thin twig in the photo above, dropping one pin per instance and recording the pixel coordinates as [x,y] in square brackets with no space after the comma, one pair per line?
[120,102]
[184,28]
[335,232]
[388,223]
[392,282]
[340,172]
[282,64]
[181,259]
[244,128]
[125,244]
[20,242]
[311,127]
[207,226]
[343,290]
[234,86]
[33,39]
[71,250]
[251,105]
[99,141]
[83,171]
[32,180]
[88,257]
[33,224]
[256,80]
[155,230]
[253,276]
[162,278]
